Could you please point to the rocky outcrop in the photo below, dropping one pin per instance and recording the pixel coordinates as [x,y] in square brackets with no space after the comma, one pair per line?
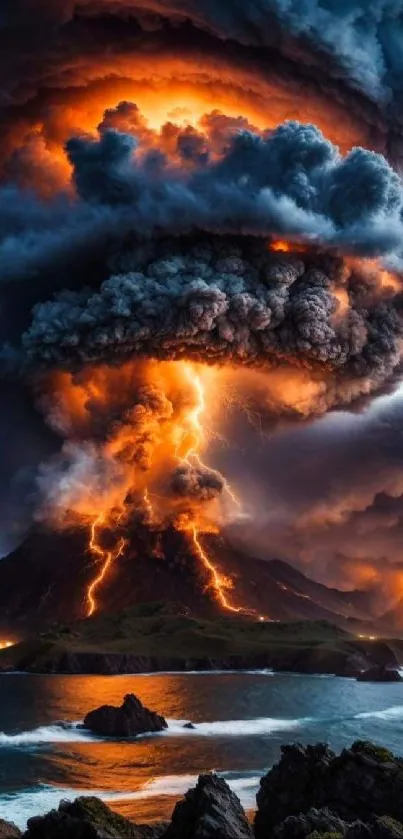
[319,822]
[84,818]
[361,782]
[209,811]
[379,673]
[322,824]
[8,830]
[130,720]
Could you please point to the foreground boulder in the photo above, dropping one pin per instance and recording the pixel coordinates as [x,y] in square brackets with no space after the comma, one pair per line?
[379,673]
[209,811]
[316,822]
[361,782]
[8,830]
[84,818]
[322,824]
[131,719]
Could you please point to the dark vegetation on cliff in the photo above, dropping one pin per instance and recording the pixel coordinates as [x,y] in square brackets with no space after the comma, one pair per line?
[162,636]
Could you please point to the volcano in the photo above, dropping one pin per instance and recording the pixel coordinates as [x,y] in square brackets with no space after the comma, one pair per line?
[45,581]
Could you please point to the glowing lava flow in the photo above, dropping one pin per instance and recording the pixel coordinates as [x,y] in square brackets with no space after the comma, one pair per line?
[106,557]
[219,583]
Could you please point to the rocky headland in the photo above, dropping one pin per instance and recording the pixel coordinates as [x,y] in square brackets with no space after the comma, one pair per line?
[159,636]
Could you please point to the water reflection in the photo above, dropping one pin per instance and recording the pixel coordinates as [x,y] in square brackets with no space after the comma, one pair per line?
[307,709]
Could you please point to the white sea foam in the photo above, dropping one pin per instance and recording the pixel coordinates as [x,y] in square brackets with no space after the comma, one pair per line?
[18,807]
[56,733]
[232,728]
[395,712]
[64,732]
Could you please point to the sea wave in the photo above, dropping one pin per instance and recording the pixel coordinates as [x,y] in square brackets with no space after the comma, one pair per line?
[58,732]
[392,713]
[18,807]
[65,732]
[232,728]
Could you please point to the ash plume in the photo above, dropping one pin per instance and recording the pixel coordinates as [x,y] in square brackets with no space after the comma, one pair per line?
[291,183]
[196,482]
[221,302]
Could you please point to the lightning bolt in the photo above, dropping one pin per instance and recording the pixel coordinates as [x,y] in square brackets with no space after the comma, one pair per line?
[195,435]
[106,558]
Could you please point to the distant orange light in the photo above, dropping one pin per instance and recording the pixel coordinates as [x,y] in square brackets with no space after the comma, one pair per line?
[5,644]
[285,247]
[280,245]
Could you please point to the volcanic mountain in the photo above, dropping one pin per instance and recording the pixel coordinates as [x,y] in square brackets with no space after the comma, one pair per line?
[45,581]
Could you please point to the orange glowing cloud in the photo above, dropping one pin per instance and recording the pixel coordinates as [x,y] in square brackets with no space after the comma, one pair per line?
[184,89]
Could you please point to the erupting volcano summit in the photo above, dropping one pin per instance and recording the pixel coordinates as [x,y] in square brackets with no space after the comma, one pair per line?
[201,257]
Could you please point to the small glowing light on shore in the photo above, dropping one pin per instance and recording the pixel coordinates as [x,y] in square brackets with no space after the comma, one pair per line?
[262,618]
[368,637]
[5,644]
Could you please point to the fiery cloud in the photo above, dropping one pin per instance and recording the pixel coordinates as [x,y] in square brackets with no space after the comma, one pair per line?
[200,212]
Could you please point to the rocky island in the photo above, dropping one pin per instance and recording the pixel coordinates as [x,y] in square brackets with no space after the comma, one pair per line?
[130,720]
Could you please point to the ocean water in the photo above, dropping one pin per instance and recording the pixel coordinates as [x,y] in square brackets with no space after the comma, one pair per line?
[241,721]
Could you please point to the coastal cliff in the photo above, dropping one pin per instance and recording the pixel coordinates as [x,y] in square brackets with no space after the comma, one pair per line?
[158,637]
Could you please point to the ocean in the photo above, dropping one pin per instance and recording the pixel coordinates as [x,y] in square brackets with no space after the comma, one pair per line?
[241,721]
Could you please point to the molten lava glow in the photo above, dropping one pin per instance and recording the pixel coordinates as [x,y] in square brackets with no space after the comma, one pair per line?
[4,645]
[219,583]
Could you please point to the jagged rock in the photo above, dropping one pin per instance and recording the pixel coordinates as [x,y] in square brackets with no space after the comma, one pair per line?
[361,782]
[318,822]
[8,830]
[329,826]
[379,673]
[131,719]
[189,725]
[84,818]
[209,811]
[380,827]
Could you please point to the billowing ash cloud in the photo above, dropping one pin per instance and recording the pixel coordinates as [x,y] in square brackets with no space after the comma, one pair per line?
[224,302]
[294,181]
[291,183]
[196,482]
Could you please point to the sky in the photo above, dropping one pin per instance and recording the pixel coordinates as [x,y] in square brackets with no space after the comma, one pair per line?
[215,185]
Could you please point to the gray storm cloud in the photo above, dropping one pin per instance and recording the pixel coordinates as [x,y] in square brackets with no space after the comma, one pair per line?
[223,302]
[291,183]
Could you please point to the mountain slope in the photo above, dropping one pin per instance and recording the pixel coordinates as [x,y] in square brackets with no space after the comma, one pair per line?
[45,581]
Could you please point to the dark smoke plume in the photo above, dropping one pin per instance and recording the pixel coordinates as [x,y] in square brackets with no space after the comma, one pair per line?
[293,183]
[223,302]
